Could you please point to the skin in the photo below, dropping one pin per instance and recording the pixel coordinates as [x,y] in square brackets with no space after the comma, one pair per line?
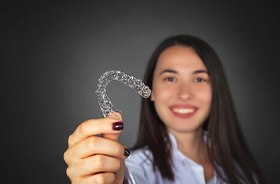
[180,84]
[93,159]
[180,78]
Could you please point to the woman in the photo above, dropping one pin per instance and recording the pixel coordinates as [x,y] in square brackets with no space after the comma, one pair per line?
[189,131]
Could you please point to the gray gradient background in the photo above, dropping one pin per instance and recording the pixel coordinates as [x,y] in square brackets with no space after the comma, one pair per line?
[55,52]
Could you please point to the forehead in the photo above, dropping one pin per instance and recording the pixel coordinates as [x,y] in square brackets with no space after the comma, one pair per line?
[181,58]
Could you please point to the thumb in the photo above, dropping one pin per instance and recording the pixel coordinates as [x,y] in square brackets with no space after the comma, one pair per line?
[118,117]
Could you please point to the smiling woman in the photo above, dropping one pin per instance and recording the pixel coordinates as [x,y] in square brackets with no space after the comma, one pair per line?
[189,130]
[181,90]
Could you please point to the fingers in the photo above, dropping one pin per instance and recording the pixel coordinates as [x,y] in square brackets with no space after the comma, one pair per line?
[92,146]
[116,116]
[97,178]
[94,159]
[94,165]
[92,127]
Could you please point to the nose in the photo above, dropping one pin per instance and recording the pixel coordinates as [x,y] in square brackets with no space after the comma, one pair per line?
[184,91]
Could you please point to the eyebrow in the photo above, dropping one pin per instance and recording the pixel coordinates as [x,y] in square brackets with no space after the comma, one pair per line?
[168,71]
[175,72]
[200,71]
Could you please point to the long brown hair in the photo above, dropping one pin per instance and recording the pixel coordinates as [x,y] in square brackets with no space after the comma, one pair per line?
[229,152]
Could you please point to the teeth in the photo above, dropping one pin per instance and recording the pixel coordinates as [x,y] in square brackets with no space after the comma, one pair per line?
[183,111]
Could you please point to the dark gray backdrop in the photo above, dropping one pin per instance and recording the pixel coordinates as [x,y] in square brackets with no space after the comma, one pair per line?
[53,54]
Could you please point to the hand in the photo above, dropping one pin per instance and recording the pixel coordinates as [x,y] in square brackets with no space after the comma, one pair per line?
[95,159]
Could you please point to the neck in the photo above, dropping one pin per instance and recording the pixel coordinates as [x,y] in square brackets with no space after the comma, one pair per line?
[192,145]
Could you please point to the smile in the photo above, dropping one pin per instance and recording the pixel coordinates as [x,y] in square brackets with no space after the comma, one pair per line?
[183,111]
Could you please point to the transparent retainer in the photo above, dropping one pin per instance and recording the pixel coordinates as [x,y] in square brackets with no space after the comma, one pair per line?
[105,103]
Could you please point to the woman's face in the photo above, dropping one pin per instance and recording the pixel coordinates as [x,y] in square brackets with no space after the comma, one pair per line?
[181,89]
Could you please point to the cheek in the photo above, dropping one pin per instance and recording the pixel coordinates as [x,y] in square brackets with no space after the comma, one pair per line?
[161,93]
[206,95]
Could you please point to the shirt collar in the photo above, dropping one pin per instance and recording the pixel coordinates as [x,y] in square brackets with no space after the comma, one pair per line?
[177,154]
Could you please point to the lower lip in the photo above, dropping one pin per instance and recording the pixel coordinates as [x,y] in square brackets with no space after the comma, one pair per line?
[188,115]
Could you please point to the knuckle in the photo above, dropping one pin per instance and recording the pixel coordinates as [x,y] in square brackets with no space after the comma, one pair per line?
[69,172]
[70,139]
[101,179]
[66,157]
[82,129]
[91,143]
[99,162]
[105,178]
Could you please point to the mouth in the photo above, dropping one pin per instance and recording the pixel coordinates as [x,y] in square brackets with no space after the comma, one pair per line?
[185,111]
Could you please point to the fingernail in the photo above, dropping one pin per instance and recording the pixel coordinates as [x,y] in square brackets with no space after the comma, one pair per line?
[118,125]
[126,152]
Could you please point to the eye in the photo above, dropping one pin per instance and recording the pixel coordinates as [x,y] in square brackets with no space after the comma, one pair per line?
[199,80]
[169,79]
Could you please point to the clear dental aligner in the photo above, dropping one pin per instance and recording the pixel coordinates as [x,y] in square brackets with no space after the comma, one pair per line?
[104,102]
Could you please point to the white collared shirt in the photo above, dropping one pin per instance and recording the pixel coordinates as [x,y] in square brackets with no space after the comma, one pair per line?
[139,169]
